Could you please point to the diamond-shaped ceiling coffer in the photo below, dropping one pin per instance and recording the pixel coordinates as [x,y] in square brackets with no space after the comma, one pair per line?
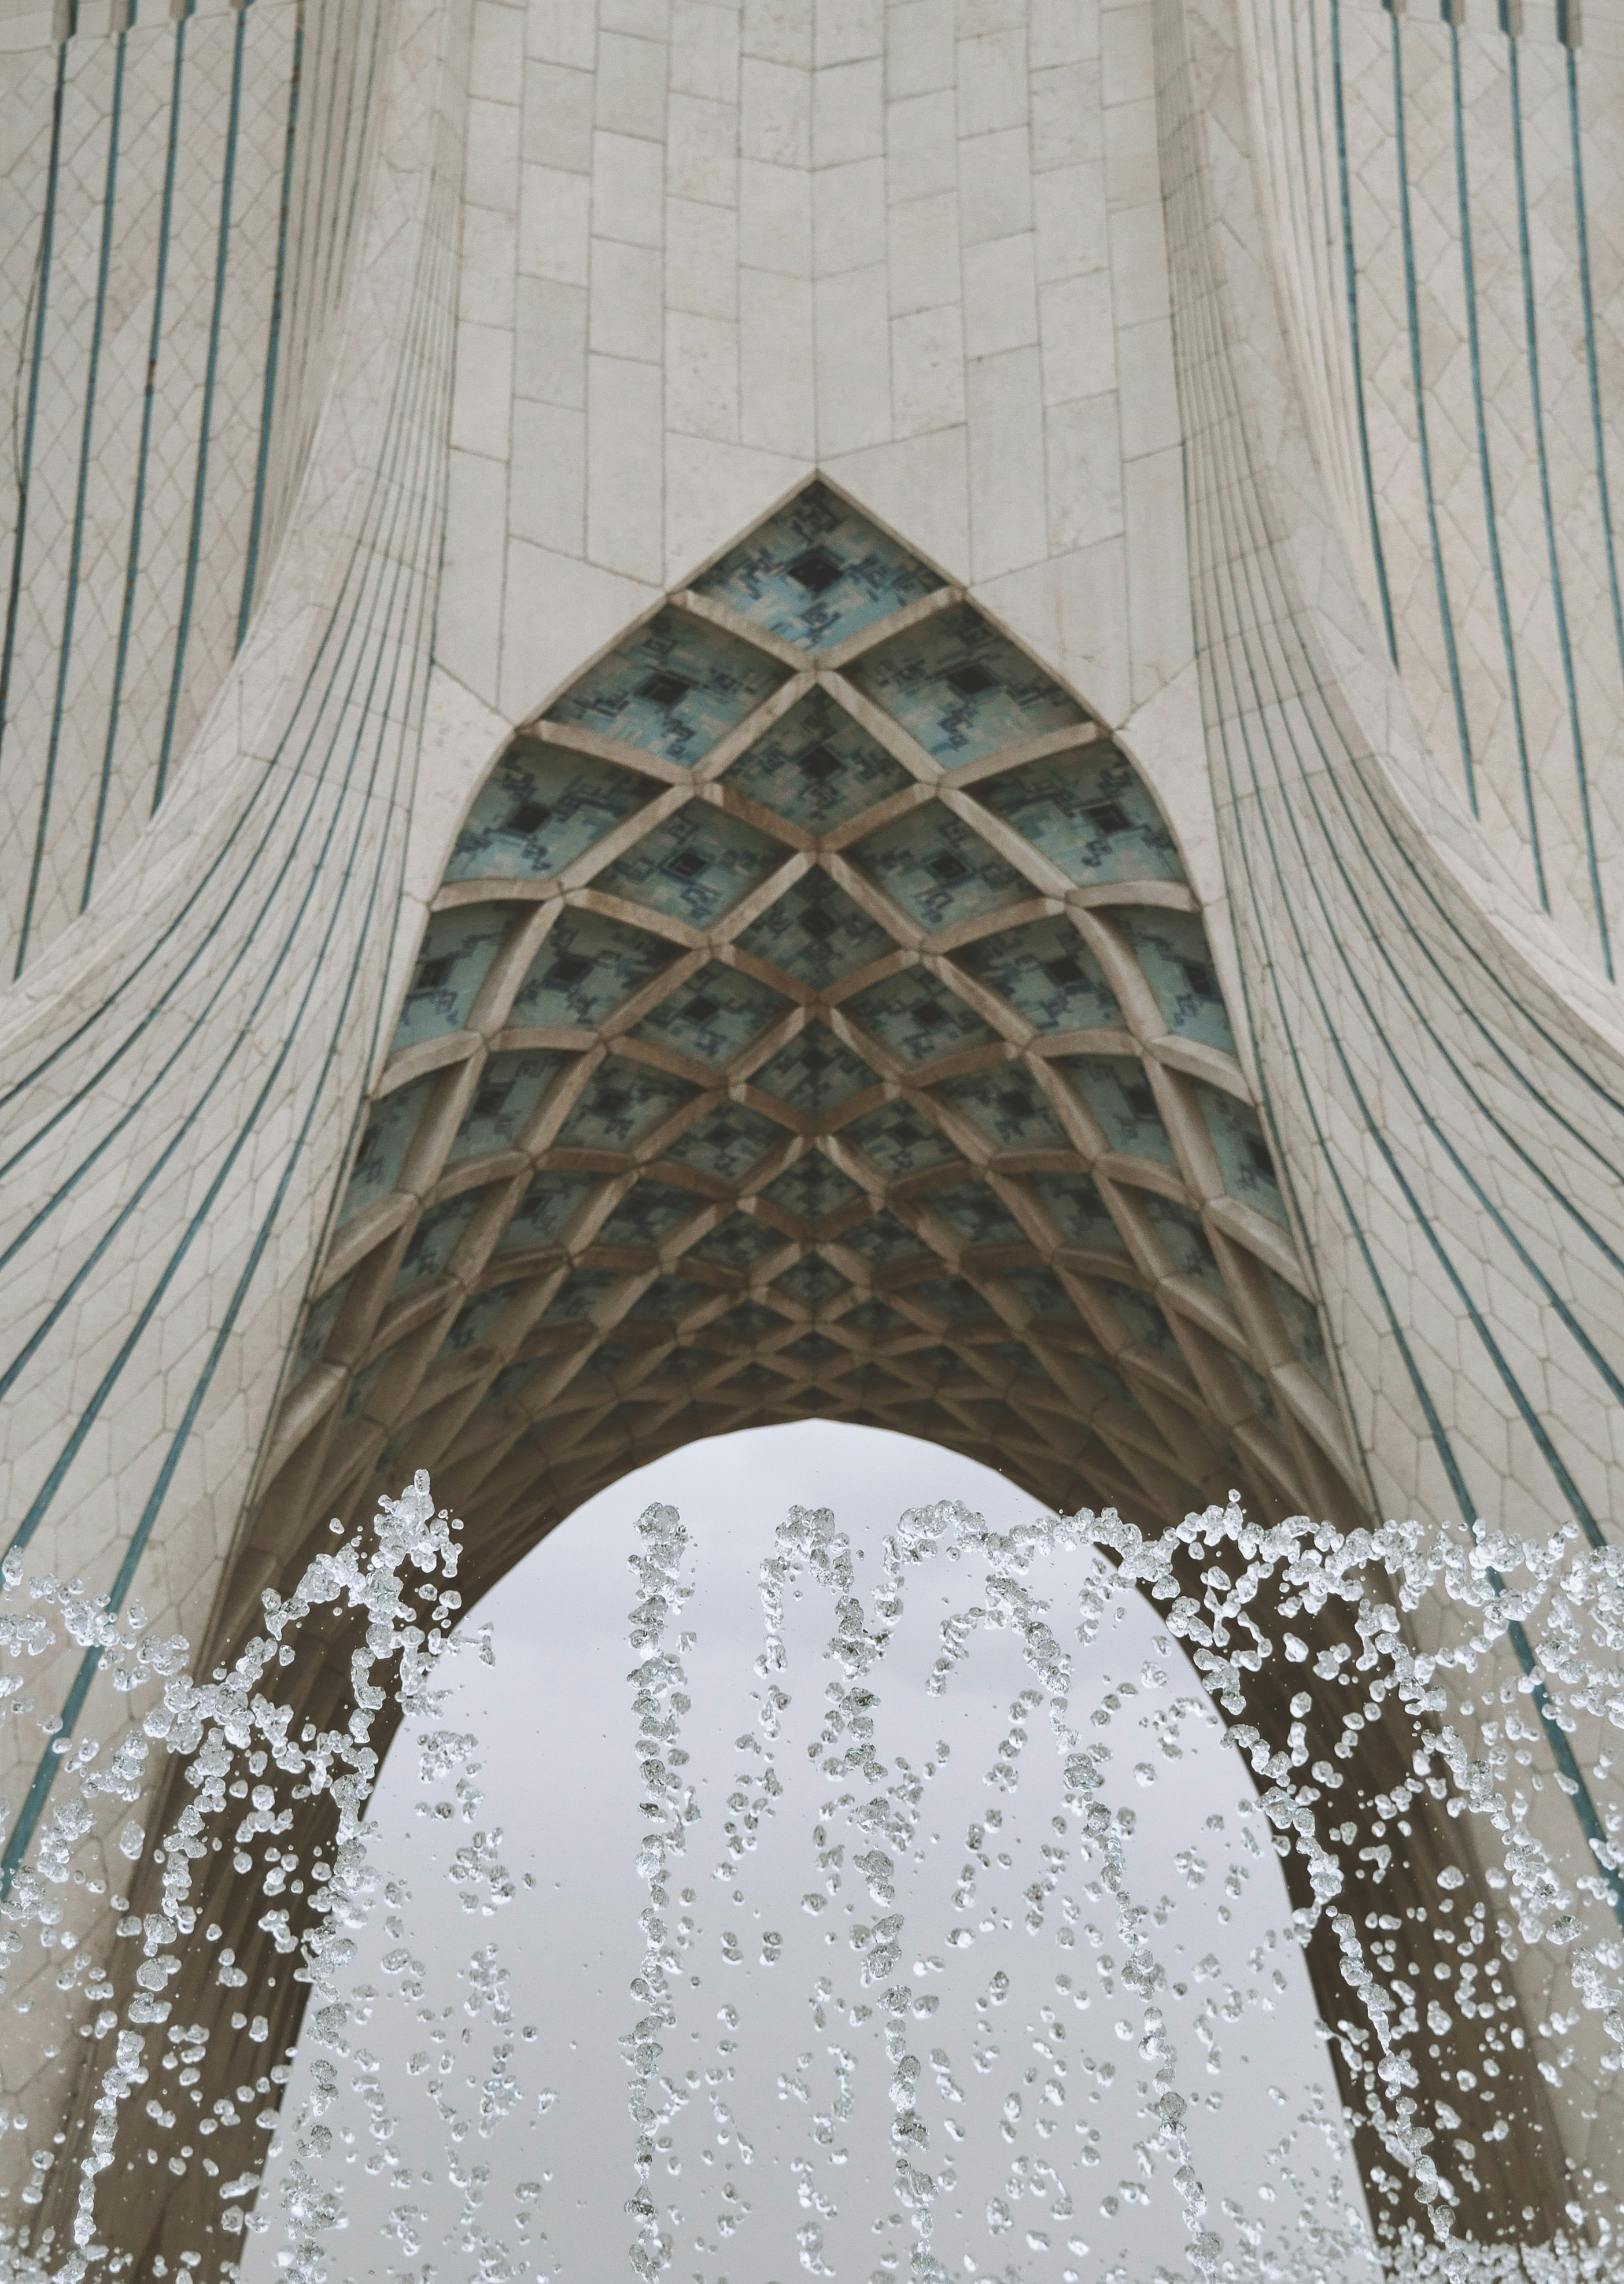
[815,1021]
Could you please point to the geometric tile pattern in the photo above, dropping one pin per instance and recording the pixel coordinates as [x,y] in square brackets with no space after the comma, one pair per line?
[815,1021]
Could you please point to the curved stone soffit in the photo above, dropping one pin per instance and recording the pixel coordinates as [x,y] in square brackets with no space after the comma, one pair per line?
[814,1020]
[1453,1125]
[192,184]
[180,1071]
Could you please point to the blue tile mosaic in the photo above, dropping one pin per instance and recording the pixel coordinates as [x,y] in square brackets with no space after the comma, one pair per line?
[815,933]
[1048,974]
[1120,1097]
[436,1238]
[939,871]
[1300,1320]
[715,1017]
[581,1292]
[1080,1213]
[361,1389]
[726,1142]
[962,689]
[937,1364]
[812,1282]
[320,1318]
[875,1321]
[756,1380]
[458,948]
[811,1188]
[694,867]
[587,968]
[1172,948]
[546,1210]
[667,1300]
[1242,1149]
[478,1319]
[513,1378]
[816,767]
[540,809]
[673,688]
[955,1297]
[900,1139]
[814,1073]
[882,1239]
[1090,813]
[1256,1389]
[739,1242]
[813,1350]
[392,1124]
[689,1364]
[1109,1383]
[918,1018]
[1145,1321]
[1181,1231]
[1042,1291]
[512,1086]
[1007,1107]
[619,1104]
[816,573]
[748,1322]
[649,1211]
[973,1212]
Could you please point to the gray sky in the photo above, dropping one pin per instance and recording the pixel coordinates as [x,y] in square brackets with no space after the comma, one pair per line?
[559,1775]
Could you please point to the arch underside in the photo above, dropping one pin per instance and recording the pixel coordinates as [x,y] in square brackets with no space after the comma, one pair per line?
[815,1020]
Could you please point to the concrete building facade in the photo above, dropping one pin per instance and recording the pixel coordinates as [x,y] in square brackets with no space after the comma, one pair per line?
[716,713]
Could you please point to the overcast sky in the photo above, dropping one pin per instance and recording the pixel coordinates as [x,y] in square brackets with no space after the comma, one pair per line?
[1040,2085]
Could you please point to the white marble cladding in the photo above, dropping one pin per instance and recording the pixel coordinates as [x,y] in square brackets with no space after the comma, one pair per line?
[708,246]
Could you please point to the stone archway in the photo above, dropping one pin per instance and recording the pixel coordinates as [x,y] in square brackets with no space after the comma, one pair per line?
[815,1020]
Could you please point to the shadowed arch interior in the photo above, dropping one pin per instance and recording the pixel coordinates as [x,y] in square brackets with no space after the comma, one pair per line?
[815,1020]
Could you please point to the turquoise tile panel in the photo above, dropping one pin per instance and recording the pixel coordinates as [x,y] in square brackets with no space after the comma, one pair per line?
[1006,1106]
[546,1210]
[580,1291]
[1040,1289]
[1181,1231]
[918,1018]
[619,1104]
[962,689]
[436,1238]
[1302,1327]
[1109,1383]
[1048,974]
[667,1300]
[587,968]
[900,1139]
[694,867]
[814,1073]
[1256,1389]
[812,1188]
[1172,948]
[726,1142]
[1243,1152]
[458,948]
[320,1318]
[478,1320]
[816,767]
[973,1212]
[816,573]
[1089,812]
[882,1239]
[812,1282]
[813,1350]
[1079,1212]
[1145,1321]
[939,871]
[512,1380]
[739,1242]
[715,1017]
[649,1211]
[673,688]
[512,1087]
[815,933]
[955,1297]
[387,1137]
[538,810]
[875,1321]
[749,1321]
[1118,1092]
[361,1389]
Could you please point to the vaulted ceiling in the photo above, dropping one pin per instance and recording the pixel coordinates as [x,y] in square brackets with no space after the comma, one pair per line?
[815,1020]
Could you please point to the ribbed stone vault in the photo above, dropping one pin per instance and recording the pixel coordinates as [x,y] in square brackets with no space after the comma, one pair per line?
[815,1020]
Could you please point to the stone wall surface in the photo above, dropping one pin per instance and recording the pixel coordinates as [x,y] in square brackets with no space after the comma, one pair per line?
[1255,366]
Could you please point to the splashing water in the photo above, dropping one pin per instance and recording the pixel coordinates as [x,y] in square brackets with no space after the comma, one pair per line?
[1046,1929]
